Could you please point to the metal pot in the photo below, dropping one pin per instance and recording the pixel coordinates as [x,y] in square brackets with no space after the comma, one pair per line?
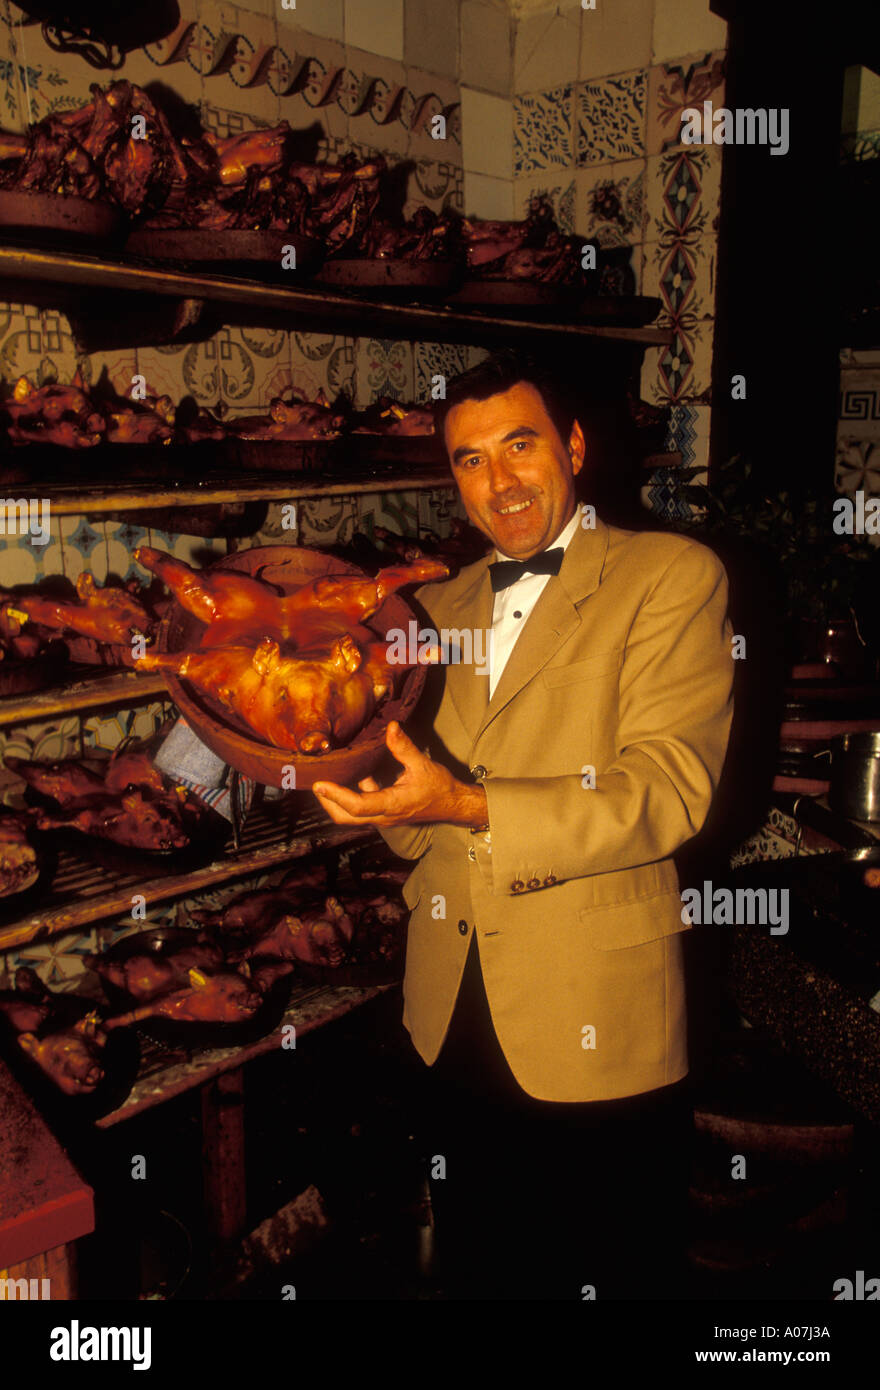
[855,775]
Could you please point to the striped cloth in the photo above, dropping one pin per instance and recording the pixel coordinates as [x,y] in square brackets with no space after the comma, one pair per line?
[185,759]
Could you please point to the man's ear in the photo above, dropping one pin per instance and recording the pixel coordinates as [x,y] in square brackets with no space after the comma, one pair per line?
[577,447]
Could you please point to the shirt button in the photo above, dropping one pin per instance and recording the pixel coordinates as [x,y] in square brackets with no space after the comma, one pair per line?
[517,613]
[549,881]
[478,772]
[534,883]
[472,854]
[517,886]
[463,927]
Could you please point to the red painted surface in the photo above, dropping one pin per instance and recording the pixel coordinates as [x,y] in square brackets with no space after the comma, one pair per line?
[43,1200]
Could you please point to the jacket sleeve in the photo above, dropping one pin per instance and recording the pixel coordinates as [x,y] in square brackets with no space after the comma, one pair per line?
[409,841]
[675,710]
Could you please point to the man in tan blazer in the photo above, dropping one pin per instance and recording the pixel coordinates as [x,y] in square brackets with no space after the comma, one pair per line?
[559,783]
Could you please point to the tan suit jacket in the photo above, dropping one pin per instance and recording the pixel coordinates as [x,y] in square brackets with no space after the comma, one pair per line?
[624,665]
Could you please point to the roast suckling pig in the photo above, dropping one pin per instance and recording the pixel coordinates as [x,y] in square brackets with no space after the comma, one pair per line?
[105,614]
[72,1056]
[227,996]
[291,420]
[426,236]
[305,705]
[315,935]
[18,858]
[255,911]
[54,414]
[534,249]
[340,201]
[118,147]
[233,605]
[125,800]
[133,821]
[149,973]
[387,416]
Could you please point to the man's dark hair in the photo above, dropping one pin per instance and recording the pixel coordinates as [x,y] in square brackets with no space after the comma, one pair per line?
[499,373]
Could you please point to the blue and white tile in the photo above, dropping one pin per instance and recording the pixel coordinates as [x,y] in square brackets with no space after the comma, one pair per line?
[559,190]
[543,124]
[383,367]
[611,119]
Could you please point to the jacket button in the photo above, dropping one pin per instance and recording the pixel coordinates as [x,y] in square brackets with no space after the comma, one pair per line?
[549,881]
[478,772]
[534,883]
[517,886]
[463,927]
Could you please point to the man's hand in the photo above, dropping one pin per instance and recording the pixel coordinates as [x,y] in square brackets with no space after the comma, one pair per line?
[424,793]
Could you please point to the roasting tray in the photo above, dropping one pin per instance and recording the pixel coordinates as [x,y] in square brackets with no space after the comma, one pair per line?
[288,567]
[394,277]
[52,217]
[233,247]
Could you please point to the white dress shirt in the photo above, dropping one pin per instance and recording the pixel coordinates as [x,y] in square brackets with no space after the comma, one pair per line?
[514,604]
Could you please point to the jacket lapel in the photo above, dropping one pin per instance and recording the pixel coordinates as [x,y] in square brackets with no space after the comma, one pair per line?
[552,620]
[468,690]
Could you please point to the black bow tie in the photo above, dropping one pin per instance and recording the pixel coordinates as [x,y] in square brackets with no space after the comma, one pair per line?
[503,573]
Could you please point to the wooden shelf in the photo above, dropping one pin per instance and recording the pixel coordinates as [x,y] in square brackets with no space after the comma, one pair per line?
[93,692]
[83,892]
[72,500]
[307,309]
[166,1072]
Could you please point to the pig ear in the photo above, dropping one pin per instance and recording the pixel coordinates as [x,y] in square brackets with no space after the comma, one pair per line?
[28,1041]
[346,652]
[197,978]
[321,399]
[85,584]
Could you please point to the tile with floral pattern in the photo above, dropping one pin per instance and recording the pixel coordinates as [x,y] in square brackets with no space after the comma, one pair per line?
[436,359]
[683,193]
[560,191]
[610,114]
[857,466]
[674,86]
[383,367]
[327,520]
[542,130]
[253,366]
[396,511]
[58,961]
[611,203]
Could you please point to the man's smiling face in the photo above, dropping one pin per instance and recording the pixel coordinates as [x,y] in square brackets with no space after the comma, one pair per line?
[514,472]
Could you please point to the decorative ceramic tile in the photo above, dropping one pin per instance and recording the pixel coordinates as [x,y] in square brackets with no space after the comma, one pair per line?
[488,198]
[23,562]
[122,540]
[561,194]
[58,962]
[682,273]
[689,430]
[253,365]
[859,411]
[107,731]
[857,466]
[436,509]
[182,371]
[611,118]
[327,520]
[682,371]
[620,270]
[542,130]
[384,367]
[396,511]
[37,344]
[434,184]
[676,85]
[662,494]
[116,368]
[84,546]
[324,17]
[683,193]
[611,203]
[436,359]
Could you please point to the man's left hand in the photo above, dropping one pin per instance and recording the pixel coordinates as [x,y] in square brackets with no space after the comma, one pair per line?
[424,793]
